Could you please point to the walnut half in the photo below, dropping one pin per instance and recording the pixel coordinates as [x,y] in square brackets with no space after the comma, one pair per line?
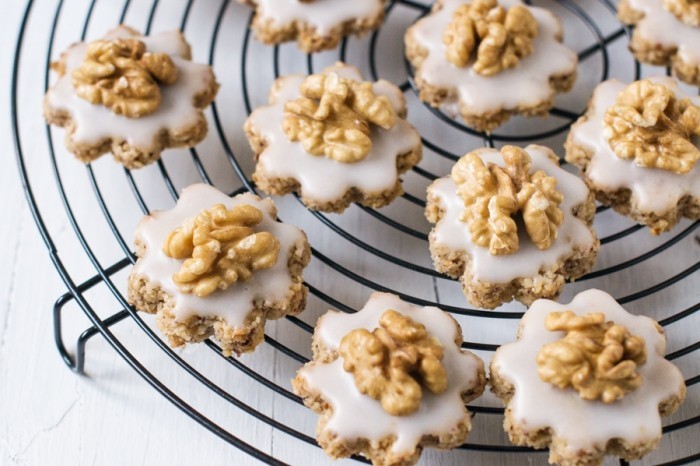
[501,37]
[121,75]
[651,126]
[395,362]
[598,359]
[333,117]
[220,248]
[493,196]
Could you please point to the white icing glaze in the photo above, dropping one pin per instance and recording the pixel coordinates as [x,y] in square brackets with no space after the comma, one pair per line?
[652,190]
[525,85]
[358,416]
[323,15]
[662,27]
[322,178]
[95,123]
[451,232]
[585,424]
[233,304]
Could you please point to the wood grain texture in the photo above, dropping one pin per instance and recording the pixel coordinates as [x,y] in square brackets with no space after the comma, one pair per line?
[48,415]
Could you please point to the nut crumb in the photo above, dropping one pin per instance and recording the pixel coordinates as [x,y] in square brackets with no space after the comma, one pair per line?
[121,75]
[334,115]
[395,362]
[220,248]
[493,196]
[651,126]
[501,37]
[687,11]
[598,359]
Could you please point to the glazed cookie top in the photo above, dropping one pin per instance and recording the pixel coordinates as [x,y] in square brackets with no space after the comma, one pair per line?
[584,423]
[528,260]
[525,84]
[266,285]
[322,178]
[662,28]
[355,415]
[95,123]
[652,189]
[324,16]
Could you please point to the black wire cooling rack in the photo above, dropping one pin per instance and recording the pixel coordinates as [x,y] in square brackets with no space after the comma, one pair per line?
[583,11]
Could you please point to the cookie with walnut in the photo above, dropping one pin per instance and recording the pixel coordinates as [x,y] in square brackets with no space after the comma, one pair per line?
[666,33]
[218,266]
[586,379]
[390,380]
[334,139]
[314,24]
[511,224]
[487,60]
[131,95]
[638,149]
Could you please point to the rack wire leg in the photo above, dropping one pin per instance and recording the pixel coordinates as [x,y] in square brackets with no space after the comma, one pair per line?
[76,363]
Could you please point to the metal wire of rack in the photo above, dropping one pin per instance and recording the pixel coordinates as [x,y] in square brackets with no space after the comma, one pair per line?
[104,273]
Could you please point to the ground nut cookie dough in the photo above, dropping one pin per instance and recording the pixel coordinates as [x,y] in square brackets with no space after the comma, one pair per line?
[637,147]
[221,266]
[315,24]
[488,60]
[333,139]
[666,33]
[586,379]
[390,380]
[511,225]
[130,95]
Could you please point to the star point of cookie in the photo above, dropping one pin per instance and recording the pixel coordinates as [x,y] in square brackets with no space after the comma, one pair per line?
[334,139]
[511,224]
[487,60]
[586,379]
[315,25]
[637,149]
[218,266]
[666,33]
[131,95]
[390,380]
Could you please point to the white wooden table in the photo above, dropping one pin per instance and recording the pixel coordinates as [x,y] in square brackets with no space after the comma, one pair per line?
[49,415]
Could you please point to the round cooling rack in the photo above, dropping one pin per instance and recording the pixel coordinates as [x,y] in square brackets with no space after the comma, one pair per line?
[87,218]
